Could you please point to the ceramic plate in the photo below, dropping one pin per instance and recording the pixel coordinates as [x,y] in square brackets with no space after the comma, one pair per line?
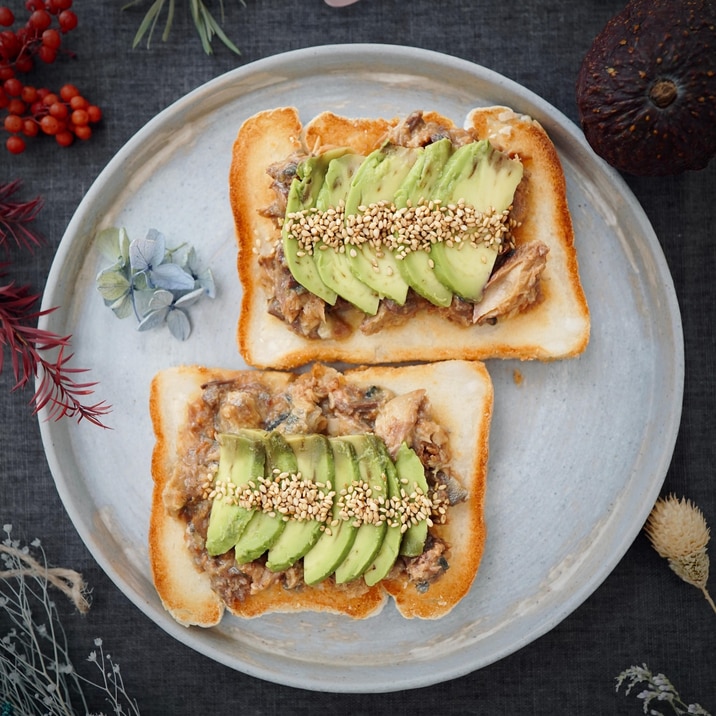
[579,448]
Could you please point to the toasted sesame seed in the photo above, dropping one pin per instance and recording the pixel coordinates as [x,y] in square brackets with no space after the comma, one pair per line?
[410,228]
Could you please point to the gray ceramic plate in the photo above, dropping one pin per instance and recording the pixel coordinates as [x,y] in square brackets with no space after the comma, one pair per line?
[579,448]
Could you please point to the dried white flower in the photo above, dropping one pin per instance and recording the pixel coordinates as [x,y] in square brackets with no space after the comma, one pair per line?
[36,673]
[658,688]
[679,533]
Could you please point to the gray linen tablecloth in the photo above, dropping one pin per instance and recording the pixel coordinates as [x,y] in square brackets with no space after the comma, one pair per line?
[641,613]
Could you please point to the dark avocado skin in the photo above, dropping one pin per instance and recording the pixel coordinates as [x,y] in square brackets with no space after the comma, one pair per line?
[652,47]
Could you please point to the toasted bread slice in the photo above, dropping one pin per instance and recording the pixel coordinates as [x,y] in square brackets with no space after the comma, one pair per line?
[556,326]
[460,399]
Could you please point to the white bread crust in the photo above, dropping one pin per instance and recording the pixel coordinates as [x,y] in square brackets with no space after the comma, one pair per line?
[461,400]
[556,327]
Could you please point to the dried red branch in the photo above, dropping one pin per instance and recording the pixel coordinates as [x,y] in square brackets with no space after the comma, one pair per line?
[16,215]
[57,390]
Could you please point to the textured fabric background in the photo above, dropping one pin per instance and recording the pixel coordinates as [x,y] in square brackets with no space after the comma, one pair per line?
[641,613]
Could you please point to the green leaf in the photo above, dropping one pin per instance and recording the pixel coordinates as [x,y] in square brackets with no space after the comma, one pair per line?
[206,25]
[113,244]
[122,307]
[112,285]
[211,22]
[149,22]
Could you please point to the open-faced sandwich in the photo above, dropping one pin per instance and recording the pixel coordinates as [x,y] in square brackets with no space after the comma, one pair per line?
[380,241]
[323,491]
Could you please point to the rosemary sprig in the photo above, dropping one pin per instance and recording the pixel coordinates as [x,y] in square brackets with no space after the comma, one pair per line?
[207,26]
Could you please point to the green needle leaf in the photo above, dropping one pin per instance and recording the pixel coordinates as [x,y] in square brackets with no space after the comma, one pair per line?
[150,20]
[207,26]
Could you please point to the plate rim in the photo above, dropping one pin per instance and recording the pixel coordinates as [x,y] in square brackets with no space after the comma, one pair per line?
[555,118]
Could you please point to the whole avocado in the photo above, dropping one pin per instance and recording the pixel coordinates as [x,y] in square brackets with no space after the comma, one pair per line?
[646,90]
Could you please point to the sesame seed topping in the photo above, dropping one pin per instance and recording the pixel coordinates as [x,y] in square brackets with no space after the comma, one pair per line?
[410,228]
[291,497]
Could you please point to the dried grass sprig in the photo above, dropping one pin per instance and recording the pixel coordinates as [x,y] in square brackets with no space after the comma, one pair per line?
[657,690]
[37,675]
[678,531]
[67,581]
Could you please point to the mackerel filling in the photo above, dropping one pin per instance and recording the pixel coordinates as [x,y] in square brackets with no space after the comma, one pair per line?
[320,401]
[514,285]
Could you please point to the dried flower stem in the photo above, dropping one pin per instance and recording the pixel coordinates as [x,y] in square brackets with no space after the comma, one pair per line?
[658,690]
[67,581]
[679,533]
[36,673]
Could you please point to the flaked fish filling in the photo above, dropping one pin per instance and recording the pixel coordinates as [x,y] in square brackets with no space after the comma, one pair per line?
[513,287]
[319,401]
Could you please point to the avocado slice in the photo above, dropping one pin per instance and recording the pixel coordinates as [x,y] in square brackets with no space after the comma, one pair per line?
[264,528]
[409,468]
[415,267]
[334,266]
[332,546]
[377,179]
[484,178]
[302,194]
[369,537]
[390,548]
[314,459]
[241,458]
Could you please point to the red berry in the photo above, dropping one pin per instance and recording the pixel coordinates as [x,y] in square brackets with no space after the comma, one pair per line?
[12,87]
[33,5]
[49,124]
[10,44]
[28,94]
[80,117]
[6,72]
[84,131]
[30,128]
[24,63]
[94,113]
[50,98]
[64,138]
[55,6]
[40,20]
[47,54]
[78,102]
[67,20]
[15,144]
[52,38]
[16,106]
[13,123]
[6,16]
[59,110]
[68,91]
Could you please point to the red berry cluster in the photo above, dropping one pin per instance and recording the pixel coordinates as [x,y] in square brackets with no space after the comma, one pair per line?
[32,111]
